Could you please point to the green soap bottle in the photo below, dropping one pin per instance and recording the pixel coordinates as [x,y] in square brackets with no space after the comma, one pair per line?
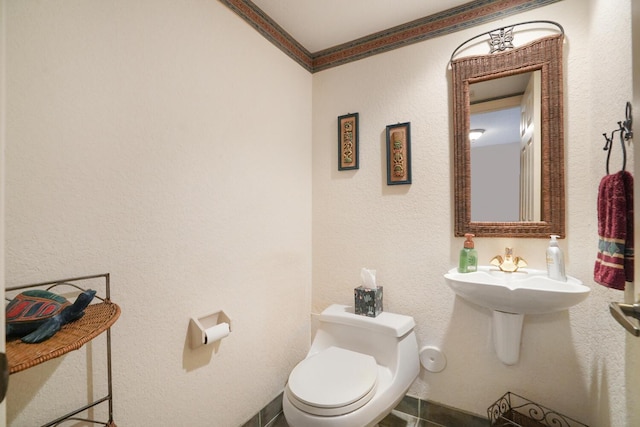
[468,256]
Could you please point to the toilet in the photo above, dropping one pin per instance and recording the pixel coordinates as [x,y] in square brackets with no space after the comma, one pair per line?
[357,370]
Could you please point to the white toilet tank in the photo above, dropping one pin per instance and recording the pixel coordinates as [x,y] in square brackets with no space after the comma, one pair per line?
[381,337]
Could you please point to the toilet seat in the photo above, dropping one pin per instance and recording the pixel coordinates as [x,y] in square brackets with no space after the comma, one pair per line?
[333,382]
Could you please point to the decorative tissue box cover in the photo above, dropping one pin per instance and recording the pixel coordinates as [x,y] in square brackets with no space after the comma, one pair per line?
[368,302]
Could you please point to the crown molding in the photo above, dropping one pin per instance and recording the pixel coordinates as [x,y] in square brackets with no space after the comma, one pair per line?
[446,22]
[266,26]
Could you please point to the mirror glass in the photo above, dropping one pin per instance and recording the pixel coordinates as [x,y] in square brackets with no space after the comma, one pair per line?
[505,113]
[508,142]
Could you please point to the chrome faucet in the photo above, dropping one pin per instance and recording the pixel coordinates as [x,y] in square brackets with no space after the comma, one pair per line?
[509,263]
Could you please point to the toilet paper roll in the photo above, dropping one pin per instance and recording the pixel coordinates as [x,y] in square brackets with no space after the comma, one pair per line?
[215,333]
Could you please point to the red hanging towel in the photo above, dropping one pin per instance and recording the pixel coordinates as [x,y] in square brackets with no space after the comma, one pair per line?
[614,263]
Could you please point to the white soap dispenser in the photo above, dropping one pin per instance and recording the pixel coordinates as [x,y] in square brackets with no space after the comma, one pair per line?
[555,260]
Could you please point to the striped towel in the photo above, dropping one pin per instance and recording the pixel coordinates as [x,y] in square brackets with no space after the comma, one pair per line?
[614,263]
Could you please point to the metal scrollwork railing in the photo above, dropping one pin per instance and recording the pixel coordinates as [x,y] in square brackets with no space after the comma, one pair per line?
[514,410]
[501,39]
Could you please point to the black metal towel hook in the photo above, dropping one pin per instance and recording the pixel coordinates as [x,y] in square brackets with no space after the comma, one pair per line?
[626,134]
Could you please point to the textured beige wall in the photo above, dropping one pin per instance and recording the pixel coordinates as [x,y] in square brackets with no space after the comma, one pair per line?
[579,362]
[3,405]
[141,142]
[169,144]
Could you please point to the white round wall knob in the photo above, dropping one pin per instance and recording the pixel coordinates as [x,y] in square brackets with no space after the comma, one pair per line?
[432,359]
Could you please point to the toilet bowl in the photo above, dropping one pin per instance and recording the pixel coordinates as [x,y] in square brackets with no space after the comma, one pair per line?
[357,370]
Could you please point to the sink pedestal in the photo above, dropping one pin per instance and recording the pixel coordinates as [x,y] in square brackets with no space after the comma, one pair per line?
[507,330]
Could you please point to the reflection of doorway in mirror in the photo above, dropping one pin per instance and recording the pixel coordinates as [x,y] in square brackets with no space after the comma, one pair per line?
[530,157]
[506,160]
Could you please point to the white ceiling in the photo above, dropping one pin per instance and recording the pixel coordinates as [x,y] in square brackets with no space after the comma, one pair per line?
[321,24]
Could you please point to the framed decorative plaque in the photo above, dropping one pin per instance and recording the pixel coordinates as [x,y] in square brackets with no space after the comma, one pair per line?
[399,154]
[348,142]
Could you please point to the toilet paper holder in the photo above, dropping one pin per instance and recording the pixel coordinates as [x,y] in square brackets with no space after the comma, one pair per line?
[209,328]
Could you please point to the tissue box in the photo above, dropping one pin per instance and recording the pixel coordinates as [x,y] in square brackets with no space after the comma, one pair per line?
[368,302]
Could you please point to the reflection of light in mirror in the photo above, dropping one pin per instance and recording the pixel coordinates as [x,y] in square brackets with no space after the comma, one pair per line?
[500,126]
[474,134]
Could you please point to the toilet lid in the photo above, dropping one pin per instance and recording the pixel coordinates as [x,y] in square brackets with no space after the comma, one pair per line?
[332,379]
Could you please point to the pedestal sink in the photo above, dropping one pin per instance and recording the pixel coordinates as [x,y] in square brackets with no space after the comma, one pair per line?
[512,295]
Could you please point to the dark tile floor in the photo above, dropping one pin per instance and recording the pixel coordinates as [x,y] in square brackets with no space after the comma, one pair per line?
[410,412]
[394,419]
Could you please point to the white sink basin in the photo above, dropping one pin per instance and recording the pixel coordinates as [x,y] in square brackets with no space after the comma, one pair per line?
[525,291]
[512,295]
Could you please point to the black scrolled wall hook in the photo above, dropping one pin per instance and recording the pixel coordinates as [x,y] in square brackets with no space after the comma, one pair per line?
[608,146]
[628,123]
[626,134]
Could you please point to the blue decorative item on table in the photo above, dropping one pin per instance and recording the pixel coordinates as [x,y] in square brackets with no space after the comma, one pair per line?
[36,315]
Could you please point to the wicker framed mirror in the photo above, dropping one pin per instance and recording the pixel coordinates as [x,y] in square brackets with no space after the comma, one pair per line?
[541,58]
